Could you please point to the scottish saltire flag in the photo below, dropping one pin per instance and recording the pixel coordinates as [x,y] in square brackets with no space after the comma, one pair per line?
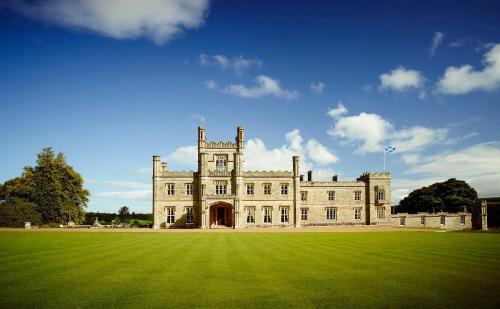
[390,148]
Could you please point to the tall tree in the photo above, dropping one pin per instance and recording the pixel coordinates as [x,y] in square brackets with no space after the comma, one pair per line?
[123,212]
[53,185]
[451,196]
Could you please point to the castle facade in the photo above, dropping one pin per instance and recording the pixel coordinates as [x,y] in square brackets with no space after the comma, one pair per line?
[222,194]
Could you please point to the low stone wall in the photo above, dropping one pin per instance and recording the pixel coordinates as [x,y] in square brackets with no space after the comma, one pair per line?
[440,220]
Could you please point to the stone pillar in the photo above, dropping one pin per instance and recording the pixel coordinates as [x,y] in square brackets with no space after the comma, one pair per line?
[156,172]
[484,215]
[296,190]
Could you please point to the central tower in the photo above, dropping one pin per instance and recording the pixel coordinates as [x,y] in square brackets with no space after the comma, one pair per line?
[220,166]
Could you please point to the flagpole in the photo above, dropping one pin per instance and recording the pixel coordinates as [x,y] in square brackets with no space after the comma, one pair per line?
[384,162]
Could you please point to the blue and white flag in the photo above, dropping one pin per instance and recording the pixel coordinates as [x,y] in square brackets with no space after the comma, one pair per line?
[390,148]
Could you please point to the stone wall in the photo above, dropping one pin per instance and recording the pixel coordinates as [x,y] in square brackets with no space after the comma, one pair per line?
[440,220]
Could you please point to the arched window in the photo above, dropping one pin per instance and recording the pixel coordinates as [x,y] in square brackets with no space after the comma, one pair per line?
[221,163]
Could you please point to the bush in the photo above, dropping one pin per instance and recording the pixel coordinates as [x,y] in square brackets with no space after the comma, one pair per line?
[14,212]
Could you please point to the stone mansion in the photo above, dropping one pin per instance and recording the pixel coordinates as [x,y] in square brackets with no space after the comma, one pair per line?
[222,194]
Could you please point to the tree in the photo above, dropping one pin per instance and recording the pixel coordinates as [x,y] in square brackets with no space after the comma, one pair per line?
[451,196]
[124,212]
[15,211]
[53,185]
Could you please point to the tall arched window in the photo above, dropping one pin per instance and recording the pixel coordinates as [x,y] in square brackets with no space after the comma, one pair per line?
[221,163]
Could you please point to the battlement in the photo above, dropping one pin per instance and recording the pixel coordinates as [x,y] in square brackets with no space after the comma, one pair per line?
[268,174]
[221,145]
[372,175]
[179,174]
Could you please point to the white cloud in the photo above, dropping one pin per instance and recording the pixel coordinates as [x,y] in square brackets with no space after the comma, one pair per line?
[238,64]
[143,171]
[370,132]
[121,184]
[198,117]
[417,137]
[265,86]
[464,79]
[314,156]
[410,158]
[319,153]
[337,111]
[157,20]
[436,41]
[186,155]
[479,165]
[401,79]
[211,84]
[318,87]
[128,195]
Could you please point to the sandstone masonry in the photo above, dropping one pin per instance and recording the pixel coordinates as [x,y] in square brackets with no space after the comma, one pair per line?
[222,194]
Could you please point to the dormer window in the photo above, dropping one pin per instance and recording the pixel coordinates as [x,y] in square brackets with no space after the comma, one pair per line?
[221,163]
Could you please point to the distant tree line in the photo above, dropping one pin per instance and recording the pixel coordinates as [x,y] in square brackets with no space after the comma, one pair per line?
[109,217]
[50,192]
[449,196]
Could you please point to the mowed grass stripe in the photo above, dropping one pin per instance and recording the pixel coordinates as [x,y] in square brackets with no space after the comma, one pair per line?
[249,270]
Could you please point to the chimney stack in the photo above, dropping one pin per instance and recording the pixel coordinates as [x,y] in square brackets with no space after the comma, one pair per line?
[301,177]
[335,178]
[309,176]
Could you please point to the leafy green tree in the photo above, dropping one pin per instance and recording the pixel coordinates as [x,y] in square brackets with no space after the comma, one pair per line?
[124,212]
[53,185]
[15,211]
[451,196]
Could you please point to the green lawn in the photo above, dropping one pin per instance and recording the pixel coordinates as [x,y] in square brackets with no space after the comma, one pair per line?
[218,270]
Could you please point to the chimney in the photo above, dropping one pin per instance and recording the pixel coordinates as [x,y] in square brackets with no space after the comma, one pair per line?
[335,178]
[301,177]
[309,176]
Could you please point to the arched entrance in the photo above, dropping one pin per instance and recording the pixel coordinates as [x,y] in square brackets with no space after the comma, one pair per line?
[221,215]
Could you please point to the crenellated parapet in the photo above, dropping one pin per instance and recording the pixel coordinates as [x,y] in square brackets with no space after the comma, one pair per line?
[221,145]
[344,183]
[267,174]
[179,174]
[379,175]
[219,173]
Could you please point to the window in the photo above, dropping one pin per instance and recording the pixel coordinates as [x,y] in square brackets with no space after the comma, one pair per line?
[189,215]
[442,220]
[170,189]
[267,188]
[422,220]
[220,187]
[250,211]
[250,189]
[380,195]
[284,188]
[462,220]
[303,196]
[402,221]
[380,213]
[357,213]
[189,189]
[331,196]
[221,163]
[357,195]
[268,214]
[284,214]
[303,214]
[170,215]
[331,213]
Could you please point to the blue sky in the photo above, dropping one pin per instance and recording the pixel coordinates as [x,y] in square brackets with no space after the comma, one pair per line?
[112,83]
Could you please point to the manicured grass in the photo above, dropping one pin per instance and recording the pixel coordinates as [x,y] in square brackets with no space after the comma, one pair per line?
[253,270]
